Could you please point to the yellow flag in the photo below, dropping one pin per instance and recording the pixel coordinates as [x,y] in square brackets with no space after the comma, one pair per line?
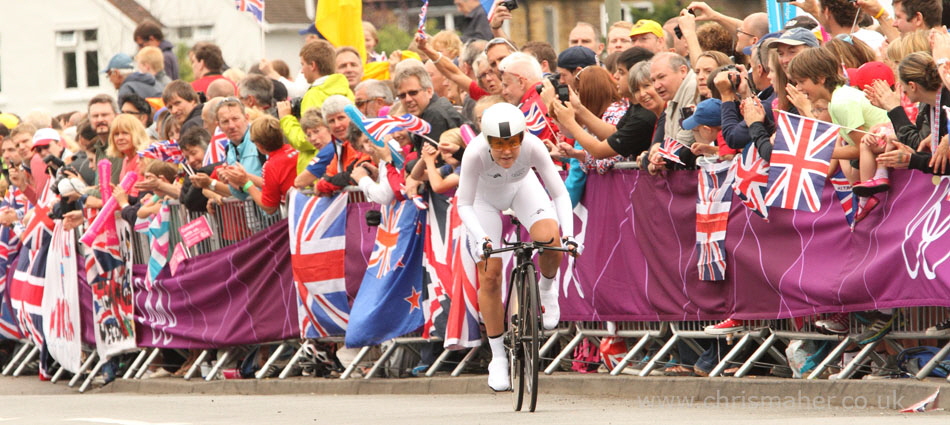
[341,23]
[376,71]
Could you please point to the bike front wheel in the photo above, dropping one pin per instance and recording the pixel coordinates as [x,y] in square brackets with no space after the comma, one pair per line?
[515,335]
[531,324]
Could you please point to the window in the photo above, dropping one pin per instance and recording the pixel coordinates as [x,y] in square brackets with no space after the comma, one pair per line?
[185,32]
[204,32]
[79,57]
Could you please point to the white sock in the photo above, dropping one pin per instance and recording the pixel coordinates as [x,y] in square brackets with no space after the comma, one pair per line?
[881,173]
[546,283]
[497,345]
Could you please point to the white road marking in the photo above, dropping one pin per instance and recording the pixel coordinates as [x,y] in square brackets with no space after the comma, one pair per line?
[123,421]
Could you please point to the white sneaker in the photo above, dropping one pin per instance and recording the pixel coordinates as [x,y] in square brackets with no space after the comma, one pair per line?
[551,311]
[498,378]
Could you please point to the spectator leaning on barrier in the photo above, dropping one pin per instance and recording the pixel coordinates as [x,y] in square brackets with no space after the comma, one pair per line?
[675,83]
[242,156]
[279,171]
[346,155]
[318,134]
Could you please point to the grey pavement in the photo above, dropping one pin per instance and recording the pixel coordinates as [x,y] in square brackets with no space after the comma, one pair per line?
[565,398]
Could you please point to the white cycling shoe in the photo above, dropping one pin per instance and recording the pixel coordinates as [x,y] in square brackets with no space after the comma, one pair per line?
[498,378]
[551,314]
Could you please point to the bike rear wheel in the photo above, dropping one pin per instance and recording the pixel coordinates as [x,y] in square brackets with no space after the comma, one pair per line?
[531,324]
[515,335]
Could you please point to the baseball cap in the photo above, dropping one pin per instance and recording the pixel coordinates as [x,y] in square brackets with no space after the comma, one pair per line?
[803,21]
[576,57]
[747,50]
[644,26]
[44,136]
[869,72]
[9,120]
[796,37]
[119,61]
[312,29]
[708,112]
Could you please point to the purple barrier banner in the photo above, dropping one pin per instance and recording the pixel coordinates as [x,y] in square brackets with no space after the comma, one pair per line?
[640,258]
[241,294]
[360,240]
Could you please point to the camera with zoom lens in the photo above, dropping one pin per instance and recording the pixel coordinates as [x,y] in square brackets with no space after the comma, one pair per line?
[295,106]
[562,91]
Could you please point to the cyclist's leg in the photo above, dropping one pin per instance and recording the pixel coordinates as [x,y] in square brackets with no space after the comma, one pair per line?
[489,298]
[536,211]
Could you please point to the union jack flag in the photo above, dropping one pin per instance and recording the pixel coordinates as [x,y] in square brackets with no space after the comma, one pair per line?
[9,247]
[379,127]
[799,164]
[422,16]
[438,265]
[849,202]
[462,329]
[534,120]
[389,302]
[752,177]
[109,273]
[255,7]
[26,288]
[217,148]
[712,218]
[670,149]
[317,242]
[165,151]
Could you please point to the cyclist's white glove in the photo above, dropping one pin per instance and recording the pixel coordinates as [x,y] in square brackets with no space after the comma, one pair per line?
[570,243]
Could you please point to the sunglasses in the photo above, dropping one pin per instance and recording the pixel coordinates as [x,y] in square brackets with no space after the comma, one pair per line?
[410,93]
[503,143]
[499,40]
[360,103]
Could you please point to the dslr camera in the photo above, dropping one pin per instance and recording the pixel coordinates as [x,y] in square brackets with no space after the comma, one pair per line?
[562,91]
[509,4]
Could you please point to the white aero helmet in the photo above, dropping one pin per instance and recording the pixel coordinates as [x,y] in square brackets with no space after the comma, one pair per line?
[502,120]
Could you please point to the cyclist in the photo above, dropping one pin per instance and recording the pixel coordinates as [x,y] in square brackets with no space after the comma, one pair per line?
[497,175]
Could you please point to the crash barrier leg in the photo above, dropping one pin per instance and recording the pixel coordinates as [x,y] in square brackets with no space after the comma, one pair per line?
[465,360]
[296,358]
[438,362]
[754,333]
[143,353]
[564,353]
[196,366]
[764,347]
[263,372]
[92,375]
[399,344]
[645,332]
[350,368]
[24,348]
[34,352]
[59,374]
[929,367]
[663,351]
[82,368]
[731,355]
[217,366]
[148,362]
